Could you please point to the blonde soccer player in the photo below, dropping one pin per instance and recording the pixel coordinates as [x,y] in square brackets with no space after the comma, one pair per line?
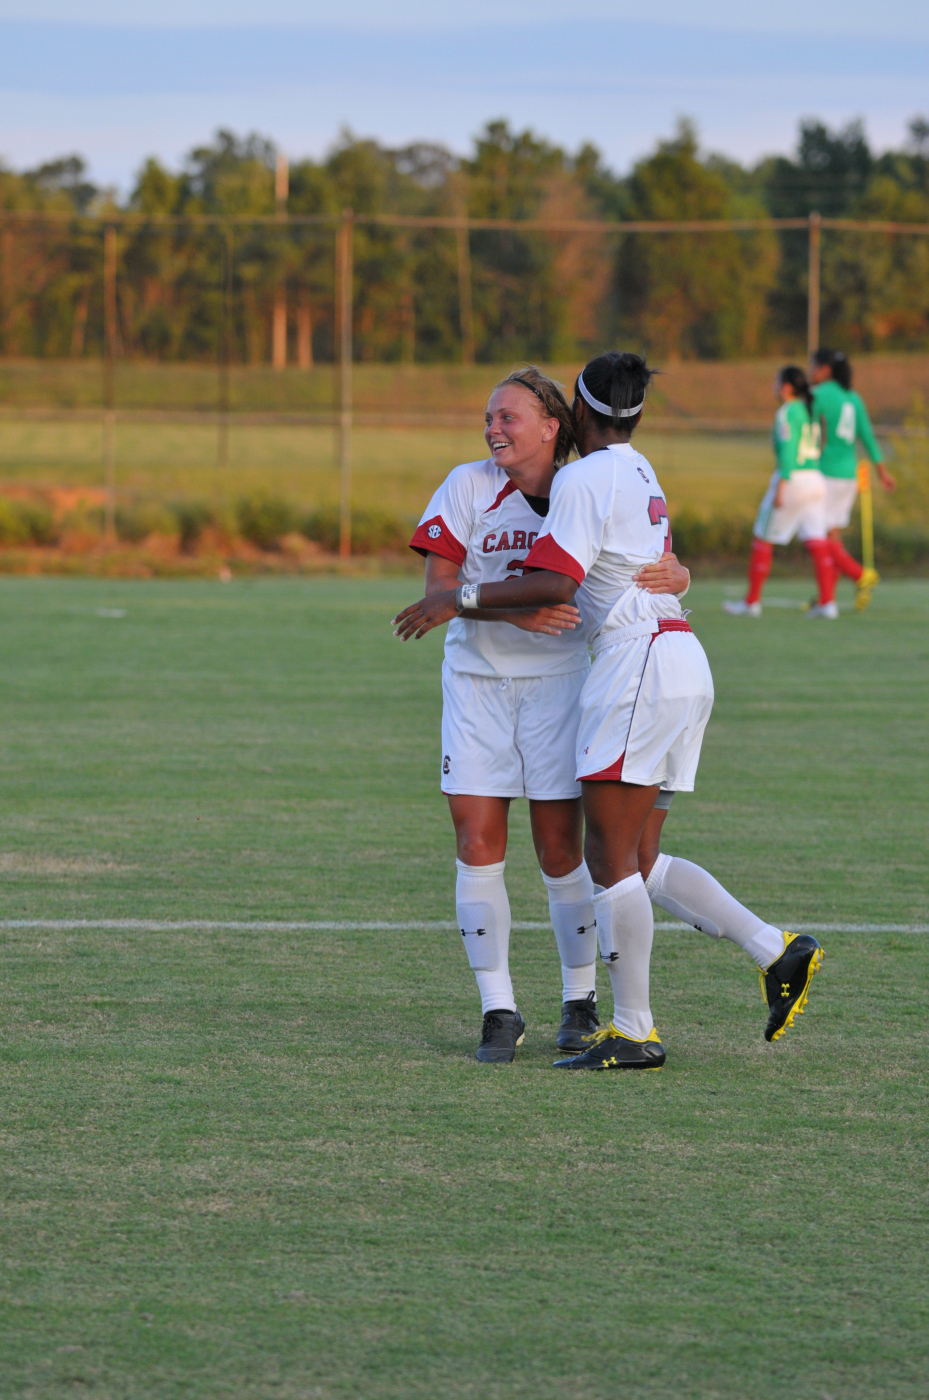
[642,709]
[795,501]
[510,687]
[844,421]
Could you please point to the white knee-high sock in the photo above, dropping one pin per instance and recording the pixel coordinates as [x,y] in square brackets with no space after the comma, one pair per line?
[484,920]
[570,904]
[692,894]
[625,927]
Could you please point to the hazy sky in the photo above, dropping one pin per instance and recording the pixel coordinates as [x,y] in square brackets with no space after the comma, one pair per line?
[89,76]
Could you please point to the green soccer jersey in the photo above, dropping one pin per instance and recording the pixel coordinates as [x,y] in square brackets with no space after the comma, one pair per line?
[844,421]
[796,438]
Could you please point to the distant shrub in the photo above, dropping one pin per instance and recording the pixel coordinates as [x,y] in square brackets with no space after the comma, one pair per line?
[191,519]
[723,538]
[900,545]
[719,536]
[910,465]
[136,521]
[372,531]
[26,522]
[264,519]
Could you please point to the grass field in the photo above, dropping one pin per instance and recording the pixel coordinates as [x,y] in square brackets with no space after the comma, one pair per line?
[734,390]
[395,469]
[256,1163]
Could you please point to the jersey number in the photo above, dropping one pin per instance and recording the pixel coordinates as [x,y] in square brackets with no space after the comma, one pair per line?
[846,426]
[658,511]
[809,448]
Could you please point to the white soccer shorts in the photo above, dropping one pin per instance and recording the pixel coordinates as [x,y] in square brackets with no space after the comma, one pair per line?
[803,512]
[647,702]
[510,737]
[841,495]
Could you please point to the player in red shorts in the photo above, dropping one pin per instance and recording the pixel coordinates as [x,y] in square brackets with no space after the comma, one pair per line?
[794,503]
[844,421]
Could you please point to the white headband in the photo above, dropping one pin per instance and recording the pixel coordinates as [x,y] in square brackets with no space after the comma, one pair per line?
[605,407]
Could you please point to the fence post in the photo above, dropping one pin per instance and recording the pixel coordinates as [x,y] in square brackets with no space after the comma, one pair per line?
[812,305]
[279,322]
[464,292]
[110,332]
[6,289]
[225,351]
[344,303]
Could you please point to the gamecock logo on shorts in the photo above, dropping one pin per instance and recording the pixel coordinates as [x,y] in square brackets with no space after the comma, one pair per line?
[446,763]
[434,531]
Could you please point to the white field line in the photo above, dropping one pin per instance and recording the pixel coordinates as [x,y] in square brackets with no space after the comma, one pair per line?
[339,926]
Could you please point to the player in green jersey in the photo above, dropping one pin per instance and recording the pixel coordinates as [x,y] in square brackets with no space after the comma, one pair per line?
[794,503]
[844,421]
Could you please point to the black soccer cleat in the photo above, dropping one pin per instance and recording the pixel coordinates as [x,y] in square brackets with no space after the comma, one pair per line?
[579,1021]
[501,1032]
[786,983]
[610,1049]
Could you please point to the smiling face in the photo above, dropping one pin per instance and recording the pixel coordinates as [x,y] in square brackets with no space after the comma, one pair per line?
[517,429]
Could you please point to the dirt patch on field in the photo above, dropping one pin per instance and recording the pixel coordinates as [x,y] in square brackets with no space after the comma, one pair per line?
[37,863]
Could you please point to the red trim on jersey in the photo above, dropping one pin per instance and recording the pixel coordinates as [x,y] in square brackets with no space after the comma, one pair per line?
[505,491]
[613,774]
[547,553]
[444,543]
[673,624]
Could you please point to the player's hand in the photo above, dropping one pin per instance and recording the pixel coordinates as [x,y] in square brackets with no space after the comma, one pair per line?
[553,620]
[888,482]
[667,576]
[779,495]
[420,618]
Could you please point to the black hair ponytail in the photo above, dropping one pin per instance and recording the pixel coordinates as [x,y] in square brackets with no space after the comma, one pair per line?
[838,364]
[794,376]
[841,369]
[619,379]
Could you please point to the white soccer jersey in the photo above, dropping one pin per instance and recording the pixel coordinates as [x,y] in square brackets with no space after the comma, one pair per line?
[480,521]
[606,519]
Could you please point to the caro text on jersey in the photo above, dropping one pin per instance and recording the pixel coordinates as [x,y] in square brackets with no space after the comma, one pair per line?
[481,522]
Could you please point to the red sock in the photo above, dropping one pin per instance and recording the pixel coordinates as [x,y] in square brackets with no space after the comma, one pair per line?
[843,560]
[759,566]
[825,573]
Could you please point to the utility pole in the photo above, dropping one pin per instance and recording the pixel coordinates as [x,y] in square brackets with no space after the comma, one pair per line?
[344,304]
[110,333]
[812,306]
[279,324]
[225,350]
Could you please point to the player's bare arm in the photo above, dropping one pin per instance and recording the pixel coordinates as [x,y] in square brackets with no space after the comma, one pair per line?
[442,584]
[666,575]
[538,590]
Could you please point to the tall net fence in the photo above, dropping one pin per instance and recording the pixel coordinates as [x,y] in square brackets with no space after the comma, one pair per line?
[329,359]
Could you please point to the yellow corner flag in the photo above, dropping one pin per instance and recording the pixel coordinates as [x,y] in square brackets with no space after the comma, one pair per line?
[867,515]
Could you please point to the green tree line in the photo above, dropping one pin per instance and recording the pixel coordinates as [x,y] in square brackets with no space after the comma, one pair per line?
[534,295]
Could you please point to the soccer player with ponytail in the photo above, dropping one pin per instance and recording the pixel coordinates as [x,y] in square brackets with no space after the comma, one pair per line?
[844,421]
[794,503]
[510,687]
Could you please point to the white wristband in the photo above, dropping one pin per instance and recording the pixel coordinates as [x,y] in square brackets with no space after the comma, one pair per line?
[469,596]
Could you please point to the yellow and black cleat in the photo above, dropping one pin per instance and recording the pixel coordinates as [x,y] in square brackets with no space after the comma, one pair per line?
[786,983]
[869,580]
[610,1049]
